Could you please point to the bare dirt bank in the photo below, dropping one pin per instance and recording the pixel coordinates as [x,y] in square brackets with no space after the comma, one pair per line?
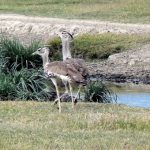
[25,27]
[130,66]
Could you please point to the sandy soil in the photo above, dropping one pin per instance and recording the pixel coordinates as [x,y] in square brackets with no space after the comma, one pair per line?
[26,28]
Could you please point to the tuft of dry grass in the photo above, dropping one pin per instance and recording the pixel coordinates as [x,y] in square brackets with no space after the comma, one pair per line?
[38,125]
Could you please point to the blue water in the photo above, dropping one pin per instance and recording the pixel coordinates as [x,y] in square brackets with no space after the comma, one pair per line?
[134,99]
[132,95]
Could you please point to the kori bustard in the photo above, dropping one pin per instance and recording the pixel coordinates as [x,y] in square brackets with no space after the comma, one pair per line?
[79,64]
[59,70]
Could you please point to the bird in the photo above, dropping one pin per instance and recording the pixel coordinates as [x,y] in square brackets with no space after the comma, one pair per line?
[79,64]
[59,70]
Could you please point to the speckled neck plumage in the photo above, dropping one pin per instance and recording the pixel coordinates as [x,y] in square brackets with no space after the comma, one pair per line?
[66,50]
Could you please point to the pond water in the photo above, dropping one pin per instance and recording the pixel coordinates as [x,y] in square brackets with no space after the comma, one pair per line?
[131,94]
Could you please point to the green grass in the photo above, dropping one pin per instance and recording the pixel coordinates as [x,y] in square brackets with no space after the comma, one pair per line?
[37,125]
[135,11]
[99,46]
[103,45]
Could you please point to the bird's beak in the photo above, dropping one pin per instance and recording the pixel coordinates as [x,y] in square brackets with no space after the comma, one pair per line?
[34,53]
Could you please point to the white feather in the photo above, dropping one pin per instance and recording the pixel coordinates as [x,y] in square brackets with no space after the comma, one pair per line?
[65,78]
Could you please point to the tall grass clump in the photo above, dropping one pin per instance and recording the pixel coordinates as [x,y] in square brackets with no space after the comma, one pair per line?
[26,84]
[31,85]
[21,76]
[55,48]
[96,91]
[16,53]
[7,88]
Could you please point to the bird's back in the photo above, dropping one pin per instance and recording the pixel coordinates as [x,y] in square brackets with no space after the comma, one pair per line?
[79,64]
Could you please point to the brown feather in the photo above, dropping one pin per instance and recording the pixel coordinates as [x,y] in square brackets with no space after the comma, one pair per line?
[79,64]
[65,69]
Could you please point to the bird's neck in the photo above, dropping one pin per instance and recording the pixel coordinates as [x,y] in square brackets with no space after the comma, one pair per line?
[66,50]
[45,59]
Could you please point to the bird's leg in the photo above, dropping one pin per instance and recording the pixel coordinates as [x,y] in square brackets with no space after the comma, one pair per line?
[66,91]
[66,88]
[78,92]
[57,91]
[70,87]
[56,100]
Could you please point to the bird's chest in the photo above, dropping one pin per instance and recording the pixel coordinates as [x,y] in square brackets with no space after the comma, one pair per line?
[56,73]
[49,74]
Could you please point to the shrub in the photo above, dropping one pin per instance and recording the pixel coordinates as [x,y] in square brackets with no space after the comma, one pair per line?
[31,85]
[20,75]
[14,52]
[99,46]
[55,48]
[7,88]
[96,91]
[26,84]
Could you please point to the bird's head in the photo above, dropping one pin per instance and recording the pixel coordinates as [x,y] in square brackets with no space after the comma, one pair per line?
[65,36]
[42,51]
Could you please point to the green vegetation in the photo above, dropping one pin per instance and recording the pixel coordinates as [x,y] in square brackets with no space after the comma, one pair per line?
[22,78]
[6,87]
[21,74]
[38,125]
[136,11]
[96,91]
[15,54]
[55,48]
[99,46]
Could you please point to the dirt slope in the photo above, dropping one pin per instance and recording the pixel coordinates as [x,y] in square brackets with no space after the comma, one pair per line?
[43,28]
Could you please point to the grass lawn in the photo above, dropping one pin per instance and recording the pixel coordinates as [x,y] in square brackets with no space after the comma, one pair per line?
[38,125]
[134,11]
